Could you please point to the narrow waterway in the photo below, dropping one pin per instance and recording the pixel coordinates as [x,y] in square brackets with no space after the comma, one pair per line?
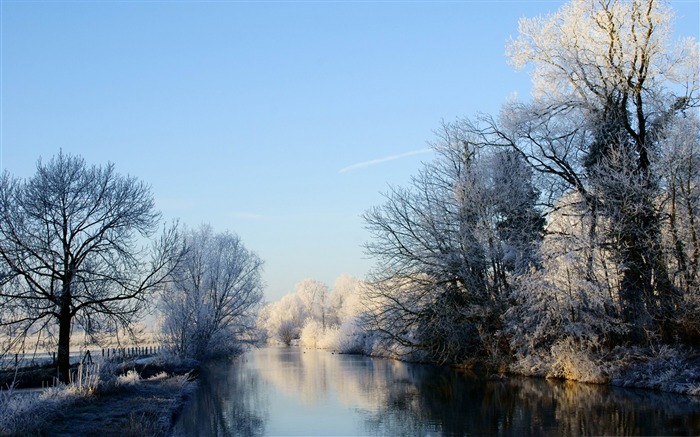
[290,391]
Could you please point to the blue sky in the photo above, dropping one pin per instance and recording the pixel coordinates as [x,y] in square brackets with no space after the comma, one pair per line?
[280,121]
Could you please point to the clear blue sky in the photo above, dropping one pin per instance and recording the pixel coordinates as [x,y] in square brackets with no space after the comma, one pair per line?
[280,121]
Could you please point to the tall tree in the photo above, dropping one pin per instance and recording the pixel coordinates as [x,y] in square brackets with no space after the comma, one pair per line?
[70,250]
[607,84]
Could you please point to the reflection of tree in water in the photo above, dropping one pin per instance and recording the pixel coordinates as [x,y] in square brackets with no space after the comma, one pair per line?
[228,402]
[396,398]
[426,400]
[307,375]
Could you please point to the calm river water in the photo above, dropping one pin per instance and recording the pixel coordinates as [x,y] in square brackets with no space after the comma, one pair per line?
[280,391]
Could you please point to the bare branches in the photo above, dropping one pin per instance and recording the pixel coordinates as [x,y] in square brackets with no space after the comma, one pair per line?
[68,244]
[211,298]
[446,245]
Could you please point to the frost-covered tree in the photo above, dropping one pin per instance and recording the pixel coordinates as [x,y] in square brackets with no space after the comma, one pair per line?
[345,301]
[283,320]
[446,247]
[679,167]
[211,301]
[607,85]
[70,251]
[317,316]
[562,301]
[314,296]
[611,63]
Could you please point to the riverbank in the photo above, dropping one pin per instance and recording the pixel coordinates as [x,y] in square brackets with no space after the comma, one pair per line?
[135,398]
[664,368]
[146,408]
[671,369]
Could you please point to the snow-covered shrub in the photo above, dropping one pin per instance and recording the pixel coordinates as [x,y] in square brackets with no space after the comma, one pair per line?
[281,321]
[671,369]
[287,331]
[312,334]
[130,378]
[353,338]
[569,361]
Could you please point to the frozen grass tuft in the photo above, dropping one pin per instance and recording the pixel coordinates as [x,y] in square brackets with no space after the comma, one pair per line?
[131,378]
[159,376]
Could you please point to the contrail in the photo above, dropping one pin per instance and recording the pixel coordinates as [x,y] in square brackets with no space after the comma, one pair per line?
[364,164]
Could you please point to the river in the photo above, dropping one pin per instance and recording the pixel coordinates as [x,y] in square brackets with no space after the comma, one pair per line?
[290,391]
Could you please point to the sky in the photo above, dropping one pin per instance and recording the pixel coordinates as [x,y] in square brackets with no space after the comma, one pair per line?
[282,121]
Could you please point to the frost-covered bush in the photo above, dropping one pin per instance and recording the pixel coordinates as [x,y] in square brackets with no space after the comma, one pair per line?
[346,338]
[353,338]
[569,361]
[281,321]
[130,378]
[313,335]
[671,369]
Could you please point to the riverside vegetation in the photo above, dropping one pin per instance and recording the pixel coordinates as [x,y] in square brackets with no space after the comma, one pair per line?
[559,238]
[135,397]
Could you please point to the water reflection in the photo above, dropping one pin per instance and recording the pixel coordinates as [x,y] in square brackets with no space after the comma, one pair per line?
[229,402]
[290,391]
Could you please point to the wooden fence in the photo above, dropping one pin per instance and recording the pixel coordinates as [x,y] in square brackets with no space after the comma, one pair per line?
[84,356]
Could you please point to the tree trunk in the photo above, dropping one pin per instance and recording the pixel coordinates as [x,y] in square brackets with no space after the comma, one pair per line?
[635,288]
[64,322]
[649,297]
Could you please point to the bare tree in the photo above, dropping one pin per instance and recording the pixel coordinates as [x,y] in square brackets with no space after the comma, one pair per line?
[210,303]
[70,250]
[446,247]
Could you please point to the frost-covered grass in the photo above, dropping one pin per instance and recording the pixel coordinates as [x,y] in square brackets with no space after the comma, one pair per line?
[669,369]
[26,413]
[664,368]
[101,400]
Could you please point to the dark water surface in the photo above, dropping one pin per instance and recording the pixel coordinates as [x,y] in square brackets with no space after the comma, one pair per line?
[281,391]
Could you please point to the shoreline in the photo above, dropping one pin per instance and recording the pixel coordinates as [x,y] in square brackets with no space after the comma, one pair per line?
[666,369]
[142,397]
